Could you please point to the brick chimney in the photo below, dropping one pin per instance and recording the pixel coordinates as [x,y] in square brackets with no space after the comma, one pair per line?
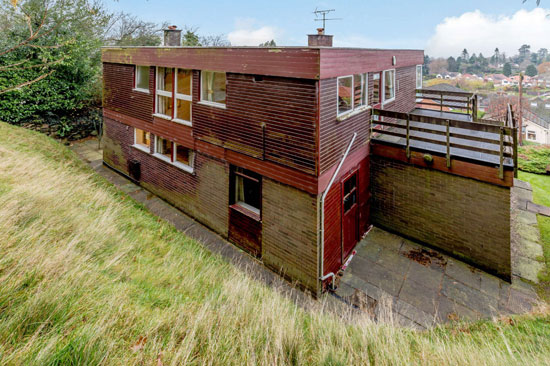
[172,36]
[319,39]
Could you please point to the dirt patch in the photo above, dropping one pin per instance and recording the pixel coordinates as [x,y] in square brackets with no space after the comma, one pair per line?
[426,257]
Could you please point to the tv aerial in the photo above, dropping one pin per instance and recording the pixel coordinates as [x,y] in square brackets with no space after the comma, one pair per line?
[323,13]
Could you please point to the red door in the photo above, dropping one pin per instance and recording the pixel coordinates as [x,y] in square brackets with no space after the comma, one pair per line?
[350,217]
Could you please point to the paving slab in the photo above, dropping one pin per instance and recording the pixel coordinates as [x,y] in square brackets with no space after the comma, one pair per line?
[420,296]
[469,297]
[538,209]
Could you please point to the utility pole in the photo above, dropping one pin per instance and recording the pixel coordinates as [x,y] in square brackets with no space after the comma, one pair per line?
[520,111]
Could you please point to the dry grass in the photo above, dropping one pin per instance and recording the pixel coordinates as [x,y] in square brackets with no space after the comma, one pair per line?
[88,277]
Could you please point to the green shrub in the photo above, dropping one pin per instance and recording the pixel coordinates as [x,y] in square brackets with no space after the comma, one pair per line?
[534,159]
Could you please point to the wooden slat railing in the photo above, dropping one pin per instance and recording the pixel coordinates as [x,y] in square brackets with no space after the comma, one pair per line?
[458,101]
[503,142]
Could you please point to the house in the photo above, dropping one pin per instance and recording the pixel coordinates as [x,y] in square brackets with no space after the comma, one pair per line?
[272,149]
[535,128]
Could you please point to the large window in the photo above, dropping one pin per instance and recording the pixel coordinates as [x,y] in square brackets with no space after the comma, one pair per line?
[531,135]
[213,88]
[352,92]
[376,88]
[419,77]
[142,139]
[389,85]
[247,189]
[165,100]
[184,83]
[171,152]
[142,78]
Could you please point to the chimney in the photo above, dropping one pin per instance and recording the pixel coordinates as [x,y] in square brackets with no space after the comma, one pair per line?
[320,39]
[172,36]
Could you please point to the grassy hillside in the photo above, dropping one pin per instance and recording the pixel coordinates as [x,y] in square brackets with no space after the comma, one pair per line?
[88,277]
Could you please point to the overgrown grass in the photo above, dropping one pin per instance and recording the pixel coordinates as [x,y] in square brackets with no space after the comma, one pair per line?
[541,195]
[534,158]
[88,277]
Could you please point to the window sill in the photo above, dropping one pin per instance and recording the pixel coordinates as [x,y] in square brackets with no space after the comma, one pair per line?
[142,148]
[247,212]
[388,101]
[182,122]
[355,112]
[145,91]
[177,164]
[168,118]
[212,104]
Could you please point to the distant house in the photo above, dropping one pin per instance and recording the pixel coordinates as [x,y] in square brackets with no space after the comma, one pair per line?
[535,128]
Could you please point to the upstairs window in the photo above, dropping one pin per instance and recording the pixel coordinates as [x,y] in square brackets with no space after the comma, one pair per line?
[184,83]
[169,151]
[352,92]
[389,85]
[376,88]
[142,139]
[213,86]
[419,77]
[142,78]
[247,191]
[165,100]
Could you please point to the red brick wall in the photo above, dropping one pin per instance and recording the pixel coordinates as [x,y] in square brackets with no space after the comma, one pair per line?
[464,217]
[203,194]
[335,135]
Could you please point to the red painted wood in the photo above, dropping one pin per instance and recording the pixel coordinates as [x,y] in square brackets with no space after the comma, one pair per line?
[245,231]
[350,218]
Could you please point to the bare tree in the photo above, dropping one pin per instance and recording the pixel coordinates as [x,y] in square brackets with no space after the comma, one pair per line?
[128,30]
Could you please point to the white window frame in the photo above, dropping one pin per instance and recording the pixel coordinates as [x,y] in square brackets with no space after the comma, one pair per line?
[188,98]
[162,93]
[172,160]
[364,84]
[419,81]
[136,75]
[533,132]
[139,146]
[547,106]
[207,102]
[384,100]
[534,104]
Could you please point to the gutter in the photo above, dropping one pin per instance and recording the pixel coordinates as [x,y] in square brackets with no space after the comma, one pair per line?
[322,215]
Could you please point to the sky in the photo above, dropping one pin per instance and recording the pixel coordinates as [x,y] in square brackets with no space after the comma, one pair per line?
[441,27]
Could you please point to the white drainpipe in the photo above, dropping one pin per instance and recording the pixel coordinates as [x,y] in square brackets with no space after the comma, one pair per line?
[322,231]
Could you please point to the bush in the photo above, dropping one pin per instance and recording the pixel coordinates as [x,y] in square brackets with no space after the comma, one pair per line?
[534,159]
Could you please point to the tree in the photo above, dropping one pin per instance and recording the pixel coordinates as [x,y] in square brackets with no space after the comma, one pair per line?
[127,30]
[465,56]
[535,58]
[191,37]
[544,68]
[214,41]
[268,44]
[452,65]
[496,57]
[507,69]
[531,70]
[426,66]
[543,55]
[524,52]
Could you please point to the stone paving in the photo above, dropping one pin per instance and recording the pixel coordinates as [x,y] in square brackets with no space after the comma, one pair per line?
[389,276]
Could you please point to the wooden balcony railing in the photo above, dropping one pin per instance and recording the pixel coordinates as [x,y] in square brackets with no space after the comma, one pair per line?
[494,143]
[444,100]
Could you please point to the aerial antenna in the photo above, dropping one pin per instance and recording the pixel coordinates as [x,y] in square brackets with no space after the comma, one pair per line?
[323,13]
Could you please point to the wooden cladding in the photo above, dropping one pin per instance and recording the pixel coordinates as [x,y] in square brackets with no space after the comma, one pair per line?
[270,119]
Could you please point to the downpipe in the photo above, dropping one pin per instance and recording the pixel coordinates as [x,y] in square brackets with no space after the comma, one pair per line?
[322,217]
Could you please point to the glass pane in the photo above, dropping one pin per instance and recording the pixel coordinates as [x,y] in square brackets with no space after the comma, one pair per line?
[350,184]
[142,77]
[213,87]
[357,90]
[389,87]
[345,94]
[419,77]
[183,109]
[164,105]
[164,147]
[247,190]
[350,200]
[376,89]
[143,138]
[183,155]
[365,82]
[165,79]
[184,82]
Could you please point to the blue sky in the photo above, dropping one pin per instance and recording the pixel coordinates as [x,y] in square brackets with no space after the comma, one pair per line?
[441,27]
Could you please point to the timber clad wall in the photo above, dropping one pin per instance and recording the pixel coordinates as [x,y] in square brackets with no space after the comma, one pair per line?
[462,216]
[289,235]
[118,93]
[405,94]
[286,107]
[203,194]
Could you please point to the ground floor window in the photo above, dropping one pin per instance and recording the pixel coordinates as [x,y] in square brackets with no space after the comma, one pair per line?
[247,189]
[178,155]
[531,135]
[142,139]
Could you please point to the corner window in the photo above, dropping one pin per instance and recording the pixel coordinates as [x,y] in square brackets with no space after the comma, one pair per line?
[247,191]
[213,88]
[389,85]
[165,101]
[376,88]
[418,76]
[352,92]
[142,78]
[169,151]
[184,83]
[142,139]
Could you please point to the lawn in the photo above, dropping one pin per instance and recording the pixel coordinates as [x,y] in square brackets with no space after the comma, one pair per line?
[541,195]
[89,277]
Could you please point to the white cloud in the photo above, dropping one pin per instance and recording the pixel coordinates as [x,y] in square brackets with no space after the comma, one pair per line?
[248,33]
[480,32]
